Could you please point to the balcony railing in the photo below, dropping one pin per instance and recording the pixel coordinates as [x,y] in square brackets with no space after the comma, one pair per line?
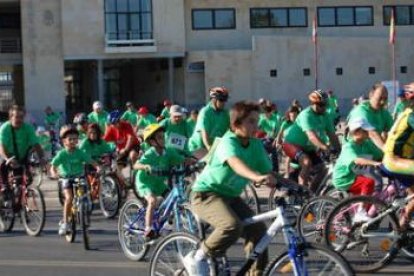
[129,45]
[10,45]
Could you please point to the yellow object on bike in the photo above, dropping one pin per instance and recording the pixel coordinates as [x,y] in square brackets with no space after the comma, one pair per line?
[150,130]
[287,268]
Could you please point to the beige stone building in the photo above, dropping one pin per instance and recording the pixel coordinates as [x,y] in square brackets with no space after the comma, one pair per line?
[68,53]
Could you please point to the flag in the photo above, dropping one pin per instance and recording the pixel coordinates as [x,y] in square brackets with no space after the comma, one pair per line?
[392,28]
[314,30]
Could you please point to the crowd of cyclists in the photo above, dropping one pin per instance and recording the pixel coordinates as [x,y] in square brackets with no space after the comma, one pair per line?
[245,143]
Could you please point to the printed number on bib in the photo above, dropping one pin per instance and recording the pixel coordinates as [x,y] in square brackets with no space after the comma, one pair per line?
[177,141]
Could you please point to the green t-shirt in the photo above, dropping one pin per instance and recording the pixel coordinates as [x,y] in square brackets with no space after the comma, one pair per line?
[165,113]
[71,164]
[131,117]
[144,121]
[400,107]
[285,125]
[270,125]
[218,177]
[332,103]
[214,122]
[381,119]
[308,120]
[44,141]
[25,139]
[176,135]
[101,119]
[156,184]
[51,119]
[95,150]
[191,125]
[343,176]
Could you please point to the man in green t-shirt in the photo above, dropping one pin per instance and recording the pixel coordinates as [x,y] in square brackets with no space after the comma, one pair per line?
[145,118]
[176,130]
[213,121]
[52,119]
[130,115]
[401,105]
[305,137]
[98,116]
[17,138]
[165,113]
[375,112]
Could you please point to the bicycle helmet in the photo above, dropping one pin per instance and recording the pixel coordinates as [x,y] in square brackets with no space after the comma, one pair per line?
[318,97]
[150,130]
[219,93]
[80,119]
[114,117]
[66,130]
[143,110]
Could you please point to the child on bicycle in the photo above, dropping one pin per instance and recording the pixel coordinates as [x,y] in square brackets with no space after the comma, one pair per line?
[93,144]
[357,150]
[69,163]
[151,186]
[238,159]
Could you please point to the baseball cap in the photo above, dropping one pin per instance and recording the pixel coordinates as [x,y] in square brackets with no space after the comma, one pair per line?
[360,123]
[176,110]
[97,105]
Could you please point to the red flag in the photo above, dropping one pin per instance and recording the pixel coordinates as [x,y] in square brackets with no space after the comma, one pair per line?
[392,28]
[314,30]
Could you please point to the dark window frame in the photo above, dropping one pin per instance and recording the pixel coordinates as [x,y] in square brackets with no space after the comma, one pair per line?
[142,35]
[268,9]
[386,22]
[213,19]
[354,8]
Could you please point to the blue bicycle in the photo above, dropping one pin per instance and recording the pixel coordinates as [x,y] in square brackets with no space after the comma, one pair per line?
[173,210]
[301,258]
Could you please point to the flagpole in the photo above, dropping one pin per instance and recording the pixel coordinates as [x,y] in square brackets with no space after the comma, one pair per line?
[315,42]
[316,64]
[392,42]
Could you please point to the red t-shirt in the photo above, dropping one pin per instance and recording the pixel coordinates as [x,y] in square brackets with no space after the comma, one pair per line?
[119,135]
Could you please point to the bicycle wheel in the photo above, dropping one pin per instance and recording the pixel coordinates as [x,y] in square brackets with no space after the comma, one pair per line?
[84,224]
[7,217]
[249,196]
[311,218]
[61,195]
[71,234]
[33,212]
[109,197]
[186,221]
[368,246]
[294,202]
[317,260]
[168,256]
[131,226]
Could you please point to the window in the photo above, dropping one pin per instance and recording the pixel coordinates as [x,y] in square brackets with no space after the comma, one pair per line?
[128,19]
[339,71]
[306,72]
[273,73]
[371,70]
[345,16]
[278,17]
[9,21]
[209,19]
[404,15]
[403,69]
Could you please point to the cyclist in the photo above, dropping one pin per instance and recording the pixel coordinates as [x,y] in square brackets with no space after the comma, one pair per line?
[52,119]
[165,113]
[399,151]
[375,112]
[17,139]
[297,104]
[401,105]
[192,120]
[157,156]
[130,114]
[93,144]
[69,163]
[98,115]
[81,122]
[213,121]
[44,141]
[305,137]
[145,118]
[176,129]
[238,159]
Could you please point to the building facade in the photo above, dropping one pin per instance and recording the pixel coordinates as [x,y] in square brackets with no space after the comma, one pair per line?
[68,53]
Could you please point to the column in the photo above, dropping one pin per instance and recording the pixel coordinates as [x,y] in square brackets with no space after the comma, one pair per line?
[171,79]
[101,88]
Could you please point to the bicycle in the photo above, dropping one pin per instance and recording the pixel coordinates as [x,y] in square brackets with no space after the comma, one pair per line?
[131,223]
[300,259]
[80,211]
[23,199]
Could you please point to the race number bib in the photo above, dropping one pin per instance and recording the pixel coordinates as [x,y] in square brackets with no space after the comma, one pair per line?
[177,141]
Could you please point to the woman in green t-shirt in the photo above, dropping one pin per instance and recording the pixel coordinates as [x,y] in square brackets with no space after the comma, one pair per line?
[238,159]
[93,144]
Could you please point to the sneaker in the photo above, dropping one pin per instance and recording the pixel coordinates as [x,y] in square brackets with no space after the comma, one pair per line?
[63,228]
[195,267]
[361,216]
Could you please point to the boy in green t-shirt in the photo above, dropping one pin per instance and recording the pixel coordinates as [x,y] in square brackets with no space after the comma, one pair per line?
[44,141]
[151,186]
[69,163]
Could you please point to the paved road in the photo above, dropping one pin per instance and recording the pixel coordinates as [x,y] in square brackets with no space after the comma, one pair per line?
[51,255]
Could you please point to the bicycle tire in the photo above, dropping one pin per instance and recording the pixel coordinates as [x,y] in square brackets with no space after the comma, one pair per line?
[84,224]
[71,234]
[343,235]
[334,263]
[311,218]
[126,236]
[175,242]
[61,195]
[7,218]
[249,196]
[109,197]
[34,211]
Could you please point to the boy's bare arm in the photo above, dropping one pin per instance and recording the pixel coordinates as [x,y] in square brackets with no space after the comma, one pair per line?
[363,161]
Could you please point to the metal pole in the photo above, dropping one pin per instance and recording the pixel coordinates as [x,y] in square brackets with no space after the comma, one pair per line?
[316,63]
